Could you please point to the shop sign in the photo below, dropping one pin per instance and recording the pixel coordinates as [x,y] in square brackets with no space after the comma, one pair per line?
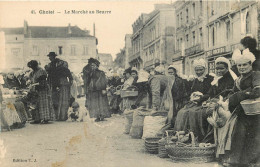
[216,51]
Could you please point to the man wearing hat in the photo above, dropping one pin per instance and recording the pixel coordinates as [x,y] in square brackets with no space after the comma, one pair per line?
[157,85]
[95,82]
[60,79]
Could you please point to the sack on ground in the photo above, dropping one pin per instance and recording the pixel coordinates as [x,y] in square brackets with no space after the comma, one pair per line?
[128,120]
[136,130]
[152,125]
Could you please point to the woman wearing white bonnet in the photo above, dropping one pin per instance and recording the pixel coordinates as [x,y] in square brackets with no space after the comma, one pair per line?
[199,86]
[242,147]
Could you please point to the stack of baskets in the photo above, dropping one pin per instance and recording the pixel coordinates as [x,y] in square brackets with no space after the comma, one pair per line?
[152,145]
[190,152]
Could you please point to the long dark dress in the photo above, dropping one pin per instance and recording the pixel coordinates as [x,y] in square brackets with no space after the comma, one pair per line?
[245,138]
[97,102]
[60,79]
[192,116]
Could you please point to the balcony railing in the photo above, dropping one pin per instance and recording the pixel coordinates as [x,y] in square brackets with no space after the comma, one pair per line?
[194,49]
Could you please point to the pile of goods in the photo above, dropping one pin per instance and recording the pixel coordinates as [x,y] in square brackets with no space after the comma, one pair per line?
[182,146]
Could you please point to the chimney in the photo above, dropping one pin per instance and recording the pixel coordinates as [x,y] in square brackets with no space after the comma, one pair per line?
[25,27]
[69,29]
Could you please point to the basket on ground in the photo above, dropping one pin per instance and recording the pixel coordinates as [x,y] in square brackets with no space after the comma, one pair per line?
[251,106]
[190,153]
[151,145]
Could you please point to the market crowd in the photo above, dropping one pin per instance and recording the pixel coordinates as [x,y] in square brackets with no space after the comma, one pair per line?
[190,102]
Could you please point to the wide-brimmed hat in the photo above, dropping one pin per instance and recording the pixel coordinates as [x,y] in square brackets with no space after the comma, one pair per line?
[95,61]
[52,54]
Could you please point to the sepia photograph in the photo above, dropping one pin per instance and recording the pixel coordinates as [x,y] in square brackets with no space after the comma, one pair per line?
[121,83]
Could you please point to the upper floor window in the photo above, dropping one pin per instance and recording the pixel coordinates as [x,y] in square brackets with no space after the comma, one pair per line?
[213,36]
[178,20]
[187,15]
[73,50]
[201,7]
[201,34]
[248,22]
[187,40]
[60,50]
[228,31]
[193,10]
[181,18]
[193,38]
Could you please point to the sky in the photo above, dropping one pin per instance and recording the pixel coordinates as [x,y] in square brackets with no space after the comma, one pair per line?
[110,28]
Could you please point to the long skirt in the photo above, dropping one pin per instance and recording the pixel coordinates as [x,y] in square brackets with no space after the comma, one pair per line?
[97,104]
[245,139]
[61,100]
[193,118]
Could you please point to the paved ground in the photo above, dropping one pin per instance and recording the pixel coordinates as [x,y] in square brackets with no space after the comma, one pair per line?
[84,144]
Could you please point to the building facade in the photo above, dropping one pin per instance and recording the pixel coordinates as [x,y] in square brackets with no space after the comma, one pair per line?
[128,50]
[153,37]
[190,30]
[136,59]
[70,43]
[227,23]
[106,60]
[210,29]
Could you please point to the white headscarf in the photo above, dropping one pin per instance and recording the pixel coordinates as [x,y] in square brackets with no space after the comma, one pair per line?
[245,57]
[224,60]
[160,69]
[200,63]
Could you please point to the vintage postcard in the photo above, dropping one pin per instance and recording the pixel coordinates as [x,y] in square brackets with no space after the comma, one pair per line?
[129,83]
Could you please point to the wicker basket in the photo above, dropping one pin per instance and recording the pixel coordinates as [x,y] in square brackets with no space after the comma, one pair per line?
[193,153]
[251,106]
[152,145]
[162,153]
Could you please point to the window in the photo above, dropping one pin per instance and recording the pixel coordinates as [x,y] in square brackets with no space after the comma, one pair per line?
[15,51]
[201,35]
[228,30]
[60,50]
[181,17]
[181,43]
[16,38]
[187,40]
[35,50]
[193,10]
[193,38]
[178,44]
[187,15]
[248,22]
[211,66]
[73,50]
[178,21]
[213,36]
[201,7]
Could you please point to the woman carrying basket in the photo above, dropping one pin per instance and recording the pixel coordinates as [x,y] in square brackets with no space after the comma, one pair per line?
[240,143]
